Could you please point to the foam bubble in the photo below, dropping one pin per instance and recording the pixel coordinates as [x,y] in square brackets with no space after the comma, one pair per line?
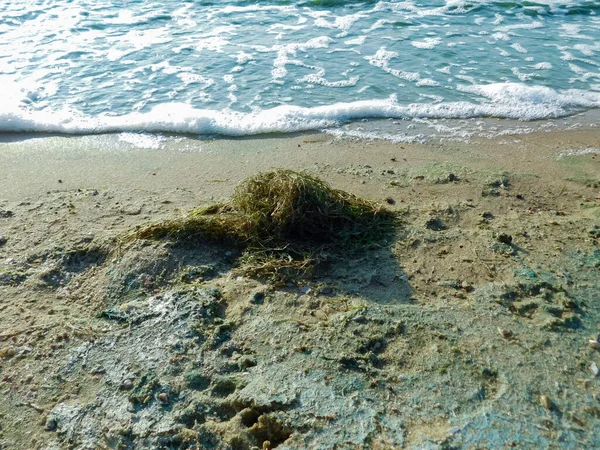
[427,43]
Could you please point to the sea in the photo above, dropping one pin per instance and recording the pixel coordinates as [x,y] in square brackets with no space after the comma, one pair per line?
[401,70]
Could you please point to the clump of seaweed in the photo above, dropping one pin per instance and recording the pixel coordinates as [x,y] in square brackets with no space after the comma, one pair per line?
[287,221]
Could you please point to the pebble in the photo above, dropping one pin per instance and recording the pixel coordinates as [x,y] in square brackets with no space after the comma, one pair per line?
[51,425]
[545,402]
[505,239]
[594,369]
[3,240]
[127,385]
[326,290]
[163,397]
[593,343]
[506,334]
[257,298]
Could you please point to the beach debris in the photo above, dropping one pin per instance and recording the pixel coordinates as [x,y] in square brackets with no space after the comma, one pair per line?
[594,369]
[545,402]
[286,221]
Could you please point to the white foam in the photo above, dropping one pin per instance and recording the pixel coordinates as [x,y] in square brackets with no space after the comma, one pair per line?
[143,140]
[583,152]
[542,66]
[320,80]
[518,47]
[427,43]
[382,58]
[401,138]
[503,100]
[342,23]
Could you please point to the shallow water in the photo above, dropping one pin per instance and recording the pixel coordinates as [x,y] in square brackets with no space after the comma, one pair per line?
[241,67]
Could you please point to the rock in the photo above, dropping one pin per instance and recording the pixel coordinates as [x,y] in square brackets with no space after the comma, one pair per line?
[390,201]
[506,334]
[435,224]
[258,298]
[594,369]
[5,214]
[163,397]
[51,425]
[545,402]
[505,239]
[593,343]
[127,385]
[3,240]
[325,290]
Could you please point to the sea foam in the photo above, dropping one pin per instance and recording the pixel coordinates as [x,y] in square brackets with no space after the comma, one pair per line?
[501,100]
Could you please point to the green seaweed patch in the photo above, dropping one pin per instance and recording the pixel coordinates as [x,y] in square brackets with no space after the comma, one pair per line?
[286,221]
[12,277]
[144,390]
[495,183]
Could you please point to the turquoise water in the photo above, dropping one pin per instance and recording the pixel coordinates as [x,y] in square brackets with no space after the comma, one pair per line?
[247,67]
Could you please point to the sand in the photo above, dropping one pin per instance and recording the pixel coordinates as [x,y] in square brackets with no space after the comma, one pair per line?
[469,329]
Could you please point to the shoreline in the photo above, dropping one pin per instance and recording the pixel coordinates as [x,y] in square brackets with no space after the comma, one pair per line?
[474,321]
[81,161]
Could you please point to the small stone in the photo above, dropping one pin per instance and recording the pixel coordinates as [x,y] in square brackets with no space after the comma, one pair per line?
[257,298]
[594,369]
[390,201]
[3,240]
[51,425]
[326,290]
[435,224]
[506,334]
[545,402]
[163,397]
[127,385]
[5,214]
[593,343]
[505,239]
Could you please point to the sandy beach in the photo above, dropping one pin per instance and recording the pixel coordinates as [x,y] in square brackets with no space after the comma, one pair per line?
[476,326]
